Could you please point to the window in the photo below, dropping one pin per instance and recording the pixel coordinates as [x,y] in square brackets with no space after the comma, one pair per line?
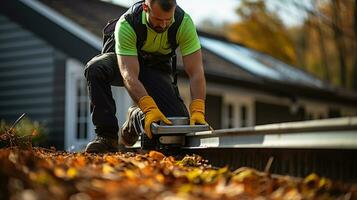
[82,109]
[315,111]
[238,112]
[78,125]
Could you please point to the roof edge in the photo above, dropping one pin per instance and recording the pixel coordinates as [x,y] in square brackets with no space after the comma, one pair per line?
[64,22]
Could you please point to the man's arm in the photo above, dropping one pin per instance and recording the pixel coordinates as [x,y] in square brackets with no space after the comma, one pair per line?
[194,68]
[129,69]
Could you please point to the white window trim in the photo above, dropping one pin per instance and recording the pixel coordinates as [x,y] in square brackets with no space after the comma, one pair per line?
[74,71]
[237,101]
[316,110]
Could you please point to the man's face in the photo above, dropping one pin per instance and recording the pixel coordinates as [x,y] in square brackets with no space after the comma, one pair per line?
[159,20]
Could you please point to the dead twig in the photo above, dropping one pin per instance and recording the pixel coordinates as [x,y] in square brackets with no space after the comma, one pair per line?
[268,165]
[11,139]
[16,122]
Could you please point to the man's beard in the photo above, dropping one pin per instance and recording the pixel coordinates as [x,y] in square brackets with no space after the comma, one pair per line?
[158,29]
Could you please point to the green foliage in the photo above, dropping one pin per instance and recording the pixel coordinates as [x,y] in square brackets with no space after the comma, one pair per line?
[26,127]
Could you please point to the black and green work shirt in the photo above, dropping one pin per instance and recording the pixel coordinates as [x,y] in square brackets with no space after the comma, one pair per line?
[156,43]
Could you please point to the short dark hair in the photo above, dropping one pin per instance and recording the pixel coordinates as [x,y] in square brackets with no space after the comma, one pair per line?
[166,5]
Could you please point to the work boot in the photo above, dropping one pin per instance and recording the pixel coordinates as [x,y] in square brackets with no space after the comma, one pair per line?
[132,127]
[102,144]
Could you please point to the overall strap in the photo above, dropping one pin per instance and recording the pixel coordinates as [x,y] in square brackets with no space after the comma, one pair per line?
[133,17]
[171,34]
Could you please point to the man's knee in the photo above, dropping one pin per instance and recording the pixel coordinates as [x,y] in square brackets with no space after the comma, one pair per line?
[93,69]
[101,67]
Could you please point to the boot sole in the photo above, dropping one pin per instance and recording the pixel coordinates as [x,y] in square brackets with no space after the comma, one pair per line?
[98,148]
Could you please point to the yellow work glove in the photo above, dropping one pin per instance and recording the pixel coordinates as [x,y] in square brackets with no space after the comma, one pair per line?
[197,112]
[152,113]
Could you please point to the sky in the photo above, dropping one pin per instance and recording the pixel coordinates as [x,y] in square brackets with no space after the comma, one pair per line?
[220,11]
[200,10]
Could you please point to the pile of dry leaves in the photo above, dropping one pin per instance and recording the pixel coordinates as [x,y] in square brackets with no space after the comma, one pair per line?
[39,173]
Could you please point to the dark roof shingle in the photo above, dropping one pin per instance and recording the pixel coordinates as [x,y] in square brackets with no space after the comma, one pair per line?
[90,14]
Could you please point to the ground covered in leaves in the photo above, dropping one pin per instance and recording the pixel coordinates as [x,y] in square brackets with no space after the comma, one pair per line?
[48,174]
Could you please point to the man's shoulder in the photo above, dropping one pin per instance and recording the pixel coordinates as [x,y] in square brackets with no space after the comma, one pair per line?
[124,28]
[123,24]
[186,18]
[187,22]
[122,19]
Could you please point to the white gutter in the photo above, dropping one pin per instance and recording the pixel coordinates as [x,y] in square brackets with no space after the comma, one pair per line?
[338,133]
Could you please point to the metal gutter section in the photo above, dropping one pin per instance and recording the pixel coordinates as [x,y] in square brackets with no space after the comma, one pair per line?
[325,147]
[338,133]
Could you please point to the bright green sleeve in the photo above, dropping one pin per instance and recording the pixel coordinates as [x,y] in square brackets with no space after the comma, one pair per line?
[125,39]
[187,37]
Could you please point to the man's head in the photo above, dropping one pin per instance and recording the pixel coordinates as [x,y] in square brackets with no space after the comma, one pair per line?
[161,13]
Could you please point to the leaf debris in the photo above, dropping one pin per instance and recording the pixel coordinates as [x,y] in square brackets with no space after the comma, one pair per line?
[40,173]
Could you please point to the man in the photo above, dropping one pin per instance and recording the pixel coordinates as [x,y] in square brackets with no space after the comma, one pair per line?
[145,46]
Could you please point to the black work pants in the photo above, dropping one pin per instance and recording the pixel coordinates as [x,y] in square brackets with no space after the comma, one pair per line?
[102,72]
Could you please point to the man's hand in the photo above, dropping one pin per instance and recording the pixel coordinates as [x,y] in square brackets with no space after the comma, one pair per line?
[152,113]
[197,112]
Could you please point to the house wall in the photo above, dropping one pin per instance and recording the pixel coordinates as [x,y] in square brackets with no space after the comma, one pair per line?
[268,113]
[31,79]
[58,94]
[214,110]
[226,106]
[241,107]
[320,110]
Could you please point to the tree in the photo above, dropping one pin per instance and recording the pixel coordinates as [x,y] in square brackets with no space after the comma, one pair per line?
[322,47]
[338,36]
[354,72]
[325,44]
[339,19]
[262,30]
